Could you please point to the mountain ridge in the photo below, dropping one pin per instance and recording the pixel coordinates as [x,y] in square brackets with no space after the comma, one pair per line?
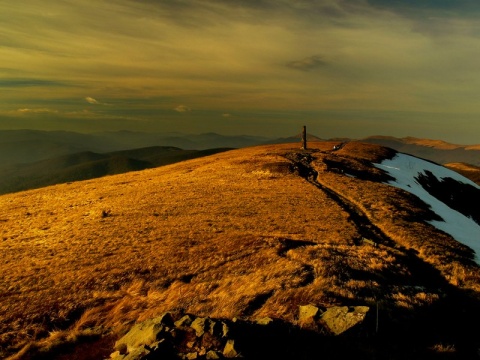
[435,150]
[22,153]
[20,146]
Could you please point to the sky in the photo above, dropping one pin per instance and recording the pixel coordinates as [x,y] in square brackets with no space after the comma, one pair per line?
[343,68]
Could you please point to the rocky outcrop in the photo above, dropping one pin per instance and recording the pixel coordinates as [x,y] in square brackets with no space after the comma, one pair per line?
[335,320]
[185,336]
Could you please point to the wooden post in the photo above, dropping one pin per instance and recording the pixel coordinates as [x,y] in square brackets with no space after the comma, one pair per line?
[304,138]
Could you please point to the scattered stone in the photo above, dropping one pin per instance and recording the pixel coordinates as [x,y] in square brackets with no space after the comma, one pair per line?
[209,341]
[115,354]
[185,336]
[184,321]
[146,332]
[306,312]
[212,355]
[339,319]
[210,325]
[264,321]
[229,350]
[225,330]
[215,328]
[199,325]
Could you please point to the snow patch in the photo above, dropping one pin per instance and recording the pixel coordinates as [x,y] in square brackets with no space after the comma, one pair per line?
[406,168]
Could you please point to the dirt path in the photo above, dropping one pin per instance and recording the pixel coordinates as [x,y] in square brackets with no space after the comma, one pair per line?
[302,163]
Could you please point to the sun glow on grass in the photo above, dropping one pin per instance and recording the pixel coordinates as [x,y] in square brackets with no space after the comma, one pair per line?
[233,234]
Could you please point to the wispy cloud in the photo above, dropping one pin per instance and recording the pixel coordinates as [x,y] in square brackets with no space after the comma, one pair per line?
[30,83]
[37,111]
[91,100]
[182,108]
[307,64]
[94,101]
[360,56]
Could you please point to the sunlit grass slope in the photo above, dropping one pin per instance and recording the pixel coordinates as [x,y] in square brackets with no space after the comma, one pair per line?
[469,171]
[240,233]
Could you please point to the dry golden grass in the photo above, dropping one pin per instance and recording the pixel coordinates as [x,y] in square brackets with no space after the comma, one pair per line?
[438,144]
[469,171]
[233,234]
[473,147]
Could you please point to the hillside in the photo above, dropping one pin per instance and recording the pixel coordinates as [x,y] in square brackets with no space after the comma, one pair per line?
[438,151]
[247,233]
[89,165]
[467,170]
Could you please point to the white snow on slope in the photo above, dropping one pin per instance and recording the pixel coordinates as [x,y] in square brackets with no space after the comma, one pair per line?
[405,168]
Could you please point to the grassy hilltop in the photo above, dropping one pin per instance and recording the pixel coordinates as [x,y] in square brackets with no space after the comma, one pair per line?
[243,233]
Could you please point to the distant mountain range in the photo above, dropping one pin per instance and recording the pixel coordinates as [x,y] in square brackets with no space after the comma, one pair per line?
[438,151]
[32,158]
[24,146]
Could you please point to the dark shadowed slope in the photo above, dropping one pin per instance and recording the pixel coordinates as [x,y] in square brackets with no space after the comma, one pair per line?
[89,165]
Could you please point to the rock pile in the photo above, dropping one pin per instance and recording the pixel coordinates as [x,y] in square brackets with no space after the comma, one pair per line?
[185,336]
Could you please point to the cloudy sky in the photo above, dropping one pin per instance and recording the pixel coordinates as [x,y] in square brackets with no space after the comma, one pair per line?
[343,68]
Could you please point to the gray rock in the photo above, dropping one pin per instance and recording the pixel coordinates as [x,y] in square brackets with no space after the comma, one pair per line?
[212,355]
[225,330]
[116,355]
[199,325]
[186,320]
[212,326]
[339,319]
[229,351]
[264,321]
[307,312]
[146,332]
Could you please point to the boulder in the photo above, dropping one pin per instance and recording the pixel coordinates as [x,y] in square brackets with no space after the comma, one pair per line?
[339,319]
[212,355]
[146,332]
[185,320]
[191,356]
[307,312]
[200,326]
[191,337]
[264,321]
[229,351]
